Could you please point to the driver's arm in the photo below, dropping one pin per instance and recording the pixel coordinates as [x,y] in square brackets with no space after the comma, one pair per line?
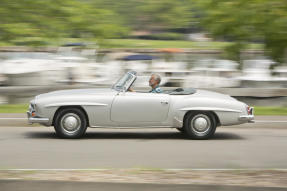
[131,90]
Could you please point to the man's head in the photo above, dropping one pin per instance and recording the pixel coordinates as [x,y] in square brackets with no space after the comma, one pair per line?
[154,80]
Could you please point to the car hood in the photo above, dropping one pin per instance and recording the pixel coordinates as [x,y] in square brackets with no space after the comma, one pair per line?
[78,92]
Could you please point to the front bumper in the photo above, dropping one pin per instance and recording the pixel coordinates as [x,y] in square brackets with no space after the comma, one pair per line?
[36,119]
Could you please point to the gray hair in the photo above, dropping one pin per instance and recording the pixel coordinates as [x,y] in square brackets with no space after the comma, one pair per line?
[157,78]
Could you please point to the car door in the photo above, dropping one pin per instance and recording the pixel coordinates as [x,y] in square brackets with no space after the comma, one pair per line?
[140,107]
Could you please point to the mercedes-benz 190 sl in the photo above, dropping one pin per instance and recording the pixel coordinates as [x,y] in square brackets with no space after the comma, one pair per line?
[196,113]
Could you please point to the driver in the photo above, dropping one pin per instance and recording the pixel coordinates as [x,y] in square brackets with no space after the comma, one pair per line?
[154,82]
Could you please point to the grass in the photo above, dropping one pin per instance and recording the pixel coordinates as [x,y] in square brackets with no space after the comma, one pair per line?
[14,108]
[270,110]
[140,43]
[22,108]
[137,43]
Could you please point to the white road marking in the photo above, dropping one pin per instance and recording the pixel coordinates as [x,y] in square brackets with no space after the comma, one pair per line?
[168,169]
[259,121]
[12,118]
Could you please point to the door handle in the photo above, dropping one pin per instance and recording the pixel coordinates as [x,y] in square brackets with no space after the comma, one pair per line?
[164,102]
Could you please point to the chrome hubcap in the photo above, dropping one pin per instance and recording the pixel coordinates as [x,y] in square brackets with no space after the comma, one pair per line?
[200,124]
[71,122]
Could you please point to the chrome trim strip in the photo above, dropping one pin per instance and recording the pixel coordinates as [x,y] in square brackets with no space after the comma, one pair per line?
[210,109]
[75,103]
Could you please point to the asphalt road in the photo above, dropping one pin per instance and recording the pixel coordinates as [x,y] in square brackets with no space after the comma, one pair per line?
[16,185]
[231,148]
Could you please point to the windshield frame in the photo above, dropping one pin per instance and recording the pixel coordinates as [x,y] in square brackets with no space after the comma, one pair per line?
[125,82]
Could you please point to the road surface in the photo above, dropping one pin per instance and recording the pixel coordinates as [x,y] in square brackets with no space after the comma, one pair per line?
[237,147]
[16,185]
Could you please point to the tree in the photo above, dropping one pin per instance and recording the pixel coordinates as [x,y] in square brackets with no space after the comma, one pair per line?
[164,14]
[22,19]
[244,21]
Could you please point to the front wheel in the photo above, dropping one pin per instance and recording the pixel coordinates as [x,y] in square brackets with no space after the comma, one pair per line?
[70,123]
[200,125]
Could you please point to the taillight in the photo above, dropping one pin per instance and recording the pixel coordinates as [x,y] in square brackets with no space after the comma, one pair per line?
[249,110]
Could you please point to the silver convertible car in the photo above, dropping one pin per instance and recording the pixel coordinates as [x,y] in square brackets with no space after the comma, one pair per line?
[196,113]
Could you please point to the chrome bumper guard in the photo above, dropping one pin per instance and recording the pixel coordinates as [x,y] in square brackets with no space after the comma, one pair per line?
[32,120]
[248,118]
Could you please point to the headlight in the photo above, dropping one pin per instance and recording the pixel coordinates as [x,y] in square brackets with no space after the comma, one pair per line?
[32,108]
[32,105]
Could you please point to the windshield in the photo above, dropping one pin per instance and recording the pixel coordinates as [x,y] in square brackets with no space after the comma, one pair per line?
[124,82]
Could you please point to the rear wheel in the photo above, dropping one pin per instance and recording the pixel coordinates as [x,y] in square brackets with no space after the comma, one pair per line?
[70,123]
[199,125]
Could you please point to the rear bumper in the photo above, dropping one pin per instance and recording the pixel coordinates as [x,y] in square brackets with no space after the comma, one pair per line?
[247,118]
[32,120]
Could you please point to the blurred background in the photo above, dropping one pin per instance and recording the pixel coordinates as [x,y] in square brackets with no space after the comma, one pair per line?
[234,47]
